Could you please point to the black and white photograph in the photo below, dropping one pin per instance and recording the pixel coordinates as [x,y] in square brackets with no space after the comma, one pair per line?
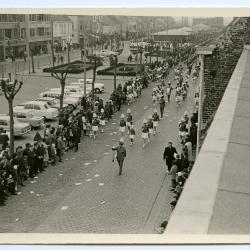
[124,124]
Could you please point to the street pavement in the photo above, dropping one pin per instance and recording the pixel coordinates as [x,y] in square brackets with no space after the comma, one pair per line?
[84,194]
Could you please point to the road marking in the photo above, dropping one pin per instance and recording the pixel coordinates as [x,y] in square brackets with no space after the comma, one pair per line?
[88,180]
[87,163]
[78,183]
[101,184]
[64,208]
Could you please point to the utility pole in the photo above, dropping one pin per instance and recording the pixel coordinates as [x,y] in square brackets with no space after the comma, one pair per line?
[85,57]
[116,60]
[52,42]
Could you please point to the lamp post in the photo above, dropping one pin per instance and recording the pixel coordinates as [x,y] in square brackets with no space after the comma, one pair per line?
[115,62]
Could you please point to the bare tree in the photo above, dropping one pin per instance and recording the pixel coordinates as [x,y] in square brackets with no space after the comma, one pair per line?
[62,82]
[10,91]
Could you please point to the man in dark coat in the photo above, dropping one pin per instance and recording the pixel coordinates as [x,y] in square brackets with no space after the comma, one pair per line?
[121,154]
[168,155]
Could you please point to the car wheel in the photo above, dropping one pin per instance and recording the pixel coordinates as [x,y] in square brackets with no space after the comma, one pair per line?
[97,91]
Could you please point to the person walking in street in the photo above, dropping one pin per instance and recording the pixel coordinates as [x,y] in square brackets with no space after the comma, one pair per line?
[95,124]
[168,155]
[122,126]
[102,120]
[145,132]
[168,91]
[132,134]
[173,173]
[150,127]
[121,154]
[162,105]
[156,120]
[129,120]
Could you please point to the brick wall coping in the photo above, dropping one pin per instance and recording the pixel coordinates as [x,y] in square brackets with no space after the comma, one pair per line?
[193,213]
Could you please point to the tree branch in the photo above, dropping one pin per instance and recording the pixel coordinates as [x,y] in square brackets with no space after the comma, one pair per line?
[5,90]
[19,87]
[55,75]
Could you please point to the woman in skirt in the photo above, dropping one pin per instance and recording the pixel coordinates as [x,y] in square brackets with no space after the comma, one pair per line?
[102,120]
[132,134]
[95,124]
[150,127]
[129,120]
[122,125]
[145,131]
[156,119]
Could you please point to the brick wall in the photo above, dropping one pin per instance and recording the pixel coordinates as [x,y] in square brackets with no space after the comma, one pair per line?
[219,66]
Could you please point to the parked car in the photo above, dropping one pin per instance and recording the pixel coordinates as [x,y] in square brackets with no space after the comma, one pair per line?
[26,116]
[68,93]
[52,102]
[20,128]
[39,108]
[106,52]
[66,100]
[99,87]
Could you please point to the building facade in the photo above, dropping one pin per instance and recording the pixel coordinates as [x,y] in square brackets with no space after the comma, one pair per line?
[62,32]
[21,34]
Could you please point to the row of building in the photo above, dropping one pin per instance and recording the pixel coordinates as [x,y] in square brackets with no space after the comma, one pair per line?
[22,34]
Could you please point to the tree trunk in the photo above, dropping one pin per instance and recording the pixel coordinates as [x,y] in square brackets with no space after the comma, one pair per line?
[10,102]
[62,92]
[32,62]
[68,53]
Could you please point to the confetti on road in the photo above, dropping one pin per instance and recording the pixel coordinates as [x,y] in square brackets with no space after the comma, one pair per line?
[94,160]
[103,202]
[87,163]
[88,180]
[101,184]
[73,158]
[37,194]
[66,159]
[78,183]
[17,219]
[32,182]
[19,193]
[64,208]
[106,153]
[31,192]
[97,175]
[115,132]
[36,177]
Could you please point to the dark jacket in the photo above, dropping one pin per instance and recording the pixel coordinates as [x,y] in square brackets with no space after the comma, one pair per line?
[168,154]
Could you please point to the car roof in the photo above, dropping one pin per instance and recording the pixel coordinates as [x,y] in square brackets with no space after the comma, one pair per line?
[45,98]
[35,102]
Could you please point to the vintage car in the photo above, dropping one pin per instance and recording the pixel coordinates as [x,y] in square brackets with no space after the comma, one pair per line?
[20,128]
[26,116]
[38,108]
[99,87]
[52,102]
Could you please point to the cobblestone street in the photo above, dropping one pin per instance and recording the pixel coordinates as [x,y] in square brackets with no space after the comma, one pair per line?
[84,194]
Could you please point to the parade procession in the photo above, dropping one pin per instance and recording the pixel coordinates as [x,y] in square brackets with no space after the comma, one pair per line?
[96,125]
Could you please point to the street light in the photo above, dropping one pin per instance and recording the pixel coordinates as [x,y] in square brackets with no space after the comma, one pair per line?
[115,63]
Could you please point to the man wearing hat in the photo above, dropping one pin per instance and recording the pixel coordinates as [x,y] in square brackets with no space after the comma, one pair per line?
[168,155]
[122,125]
[169,90]
[162,105]
[121,154]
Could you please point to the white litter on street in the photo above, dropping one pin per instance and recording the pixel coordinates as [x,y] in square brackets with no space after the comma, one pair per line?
[78,183]
[64,208]
[101,184]
[88,180]
[87,163]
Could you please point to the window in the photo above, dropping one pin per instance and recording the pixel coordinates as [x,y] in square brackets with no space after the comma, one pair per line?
[40,31]
[3,123]
[23,33]
[8,33]
[37,107]
[1,35]
[28,106]
[32,32]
